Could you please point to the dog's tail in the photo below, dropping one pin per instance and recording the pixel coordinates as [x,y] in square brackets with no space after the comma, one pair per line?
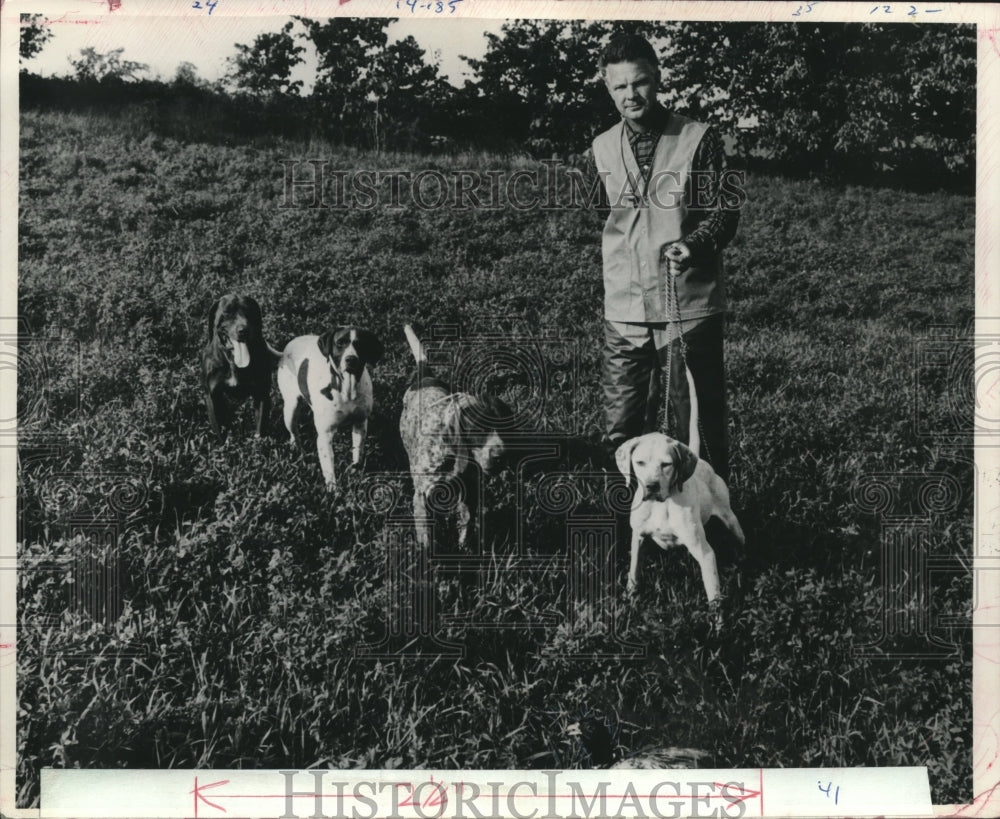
[423,376]
[275,357]
[694,428]
[415,346]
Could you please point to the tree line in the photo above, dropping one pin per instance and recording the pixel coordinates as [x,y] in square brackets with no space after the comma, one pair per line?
[842,99]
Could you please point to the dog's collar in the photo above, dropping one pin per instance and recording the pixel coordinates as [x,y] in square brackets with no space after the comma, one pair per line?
[336,379]
[460,400]
[449,398]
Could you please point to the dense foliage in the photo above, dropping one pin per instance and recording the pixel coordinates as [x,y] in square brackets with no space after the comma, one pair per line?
[846,100]
[854,98]
[264,68]
[92,66]
[34,35]
[246,590]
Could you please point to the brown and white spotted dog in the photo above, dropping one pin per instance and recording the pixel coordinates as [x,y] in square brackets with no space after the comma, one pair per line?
[237,363]
[330,373]
[448,436]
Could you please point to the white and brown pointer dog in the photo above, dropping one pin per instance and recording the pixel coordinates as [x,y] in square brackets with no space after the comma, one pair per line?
[330,374]
[448,436]
[237,363]
[677,493]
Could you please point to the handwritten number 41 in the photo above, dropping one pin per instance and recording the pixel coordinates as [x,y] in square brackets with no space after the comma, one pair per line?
[826,790]
[208,4]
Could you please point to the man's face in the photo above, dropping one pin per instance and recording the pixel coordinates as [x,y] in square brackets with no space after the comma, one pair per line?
[632,87]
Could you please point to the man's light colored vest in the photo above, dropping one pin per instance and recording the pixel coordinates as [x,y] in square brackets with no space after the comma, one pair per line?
[635,277]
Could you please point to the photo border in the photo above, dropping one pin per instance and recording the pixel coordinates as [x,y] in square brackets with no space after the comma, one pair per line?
[986,558]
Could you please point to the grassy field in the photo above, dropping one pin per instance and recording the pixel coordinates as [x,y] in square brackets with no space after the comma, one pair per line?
[247,590]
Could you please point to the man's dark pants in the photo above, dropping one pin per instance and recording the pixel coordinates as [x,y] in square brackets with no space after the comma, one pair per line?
[632,396]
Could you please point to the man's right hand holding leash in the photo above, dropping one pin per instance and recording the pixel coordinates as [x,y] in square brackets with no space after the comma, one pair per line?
[677,255]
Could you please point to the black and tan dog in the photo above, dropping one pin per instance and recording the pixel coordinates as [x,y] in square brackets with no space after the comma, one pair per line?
[330,374]
[237,362]
[448,436]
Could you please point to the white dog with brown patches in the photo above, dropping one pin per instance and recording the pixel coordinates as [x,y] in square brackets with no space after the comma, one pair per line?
[677,493]
[329,373]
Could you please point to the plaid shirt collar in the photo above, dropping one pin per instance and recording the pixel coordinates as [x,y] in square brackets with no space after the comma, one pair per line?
[656,122]
[643,144]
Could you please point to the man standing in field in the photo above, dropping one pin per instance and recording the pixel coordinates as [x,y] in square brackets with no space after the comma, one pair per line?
[661,246]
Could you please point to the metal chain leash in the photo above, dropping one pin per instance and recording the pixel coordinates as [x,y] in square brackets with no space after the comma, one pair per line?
[670,308]
[673,310]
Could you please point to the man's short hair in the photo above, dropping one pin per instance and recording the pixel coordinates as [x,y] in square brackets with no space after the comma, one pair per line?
[628,48]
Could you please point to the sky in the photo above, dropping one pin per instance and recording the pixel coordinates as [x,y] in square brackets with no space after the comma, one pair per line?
[163,43]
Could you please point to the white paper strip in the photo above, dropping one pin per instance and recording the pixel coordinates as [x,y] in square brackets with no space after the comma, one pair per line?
[341,794]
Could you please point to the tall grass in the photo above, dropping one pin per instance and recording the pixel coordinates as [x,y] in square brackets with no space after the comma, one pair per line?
[247,590]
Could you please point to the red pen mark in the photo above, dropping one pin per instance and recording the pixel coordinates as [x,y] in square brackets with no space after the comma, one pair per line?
[406,803]
[743,793]
[114,4]
[734,793]
[198,795]
[761,791]
[979,802]
[437,797]
[991,35]
[63,19]
[440,799]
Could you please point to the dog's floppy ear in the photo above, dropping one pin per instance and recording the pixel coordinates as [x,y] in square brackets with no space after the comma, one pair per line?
[685,462]
[213,313]
[370,347]
[623,457]
[256,315]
